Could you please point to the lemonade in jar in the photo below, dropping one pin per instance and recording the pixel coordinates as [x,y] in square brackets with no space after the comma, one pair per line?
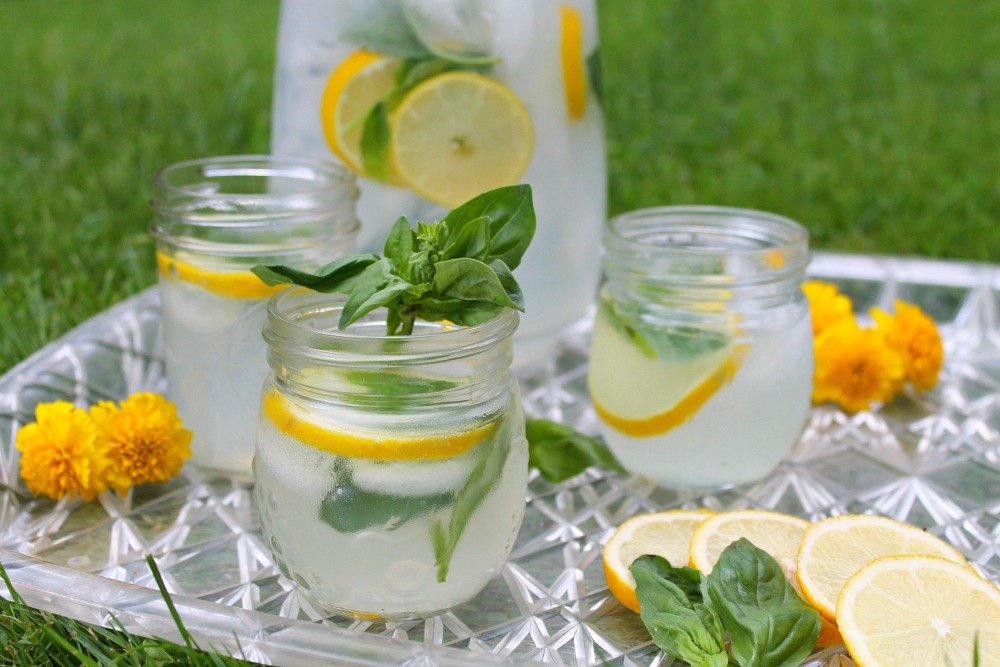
[432,101]
[215,219]
[391,472]
[701,357]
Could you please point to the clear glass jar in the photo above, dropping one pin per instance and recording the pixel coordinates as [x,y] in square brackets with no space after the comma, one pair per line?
[391,471]
[214,220]
[496,92]
[701,359]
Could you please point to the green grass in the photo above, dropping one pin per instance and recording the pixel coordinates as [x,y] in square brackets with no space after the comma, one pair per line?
[873,123]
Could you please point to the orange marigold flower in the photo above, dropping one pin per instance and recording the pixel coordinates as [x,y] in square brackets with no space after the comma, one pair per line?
[145,440]
[827,305]
[915,336]
[60,453]
[855,367]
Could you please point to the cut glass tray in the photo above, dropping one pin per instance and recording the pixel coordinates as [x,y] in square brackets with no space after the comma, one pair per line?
[931,459]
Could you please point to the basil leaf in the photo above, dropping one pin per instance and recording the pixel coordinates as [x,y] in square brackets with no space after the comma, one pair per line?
[456,311]
[410,74]
[339,276]
[506,278]
[383,27]
[559,452]
[473,241]
[680,623]
[768,624]
[376,287]
[470,280]
[399,245]
[375,136]
[512,221]
[348,509]
[480,482]
[384,383]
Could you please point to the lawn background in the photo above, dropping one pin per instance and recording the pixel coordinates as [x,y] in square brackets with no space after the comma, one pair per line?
[874,123]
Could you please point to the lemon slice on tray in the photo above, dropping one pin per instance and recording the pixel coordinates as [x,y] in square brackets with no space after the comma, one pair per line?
[834,549]
[354,87]
[642,392]
[665,534]
[460,134]
[919,610]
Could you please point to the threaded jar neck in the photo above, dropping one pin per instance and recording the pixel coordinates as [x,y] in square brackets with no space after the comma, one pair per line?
[438,364]
[685,255]
[250,205]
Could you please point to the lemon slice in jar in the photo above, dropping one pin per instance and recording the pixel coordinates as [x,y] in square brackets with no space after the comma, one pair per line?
[642,389]
[573,67]
[296,422]
[238,284]
[459,134]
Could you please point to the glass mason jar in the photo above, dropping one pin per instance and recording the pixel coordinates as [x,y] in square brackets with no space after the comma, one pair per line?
[214,220]
[475,94]
[391,471]
[701,359]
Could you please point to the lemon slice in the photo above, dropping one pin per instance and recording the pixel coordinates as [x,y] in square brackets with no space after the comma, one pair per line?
[641,395]
[460,134]
[354,87]
[235,284]
[295,422]
[573,68]
[919,610]
[833,549]
[665,534]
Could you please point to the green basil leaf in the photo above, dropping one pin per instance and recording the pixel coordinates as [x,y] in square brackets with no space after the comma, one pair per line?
[378,286]
[480,482]
[559,452]
[472,241]
[470,280]
[339,276]
[768,624]
[506,278]
[375,137]
[512,221]
[383,27]
[684,627]
[399,245]
[349,509]
[410,74]
[457,311]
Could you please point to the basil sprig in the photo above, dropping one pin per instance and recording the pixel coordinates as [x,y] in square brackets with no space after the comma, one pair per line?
[458,269]
[559,452]
[746,595]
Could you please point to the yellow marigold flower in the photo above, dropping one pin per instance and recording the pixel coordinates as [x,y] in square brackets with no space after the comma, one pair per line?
[915,336]
[827,305]
[855,367]
[145,440]
[60,453]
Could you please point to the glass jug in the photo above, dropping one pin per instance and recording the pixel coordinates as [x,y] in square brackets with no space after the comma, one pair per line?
[432,102]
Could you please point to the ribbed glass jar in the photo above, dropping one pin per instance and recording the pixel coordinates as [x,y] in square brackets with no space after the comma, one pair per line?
[701,359]
[391,471]
[214,219]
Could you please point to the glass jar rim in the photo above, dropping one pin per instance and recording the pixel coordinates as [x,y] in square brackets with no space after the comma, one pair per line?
[287,309]
[681,237]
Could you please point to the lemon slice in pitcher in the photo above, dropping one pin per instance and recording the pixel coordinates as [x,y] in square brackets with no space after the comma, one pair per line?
[458,135]
[354,87]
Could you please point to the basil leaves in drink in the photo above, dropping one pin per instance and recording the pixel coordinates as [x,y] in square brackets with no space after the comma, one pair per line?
[458,269]
[746,595]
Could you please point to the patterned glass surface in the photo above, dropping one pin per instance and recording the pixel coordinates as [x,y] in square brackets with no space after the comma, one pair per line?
[931,459]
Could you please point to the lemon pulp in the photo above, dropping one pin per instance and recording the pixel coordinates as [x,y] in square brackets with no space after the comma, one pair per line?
[460,134]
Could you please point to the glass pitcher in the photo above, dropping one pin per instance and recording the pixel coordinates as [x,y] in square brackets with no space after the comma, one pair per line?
[432,102]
